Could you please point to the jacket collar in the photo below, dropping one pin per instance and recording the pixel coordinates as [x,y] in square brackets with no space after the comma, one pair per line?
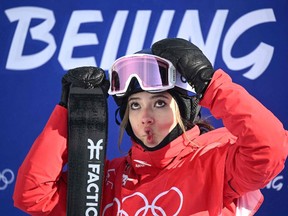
[149,162]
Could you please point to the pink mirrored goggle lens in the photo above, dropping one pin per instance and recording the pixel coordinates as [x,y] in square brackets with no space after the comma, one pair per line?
[153,73]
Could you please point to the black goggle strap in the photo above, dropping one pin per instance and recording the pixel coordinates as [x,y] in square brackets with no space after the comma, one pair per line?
[195,108]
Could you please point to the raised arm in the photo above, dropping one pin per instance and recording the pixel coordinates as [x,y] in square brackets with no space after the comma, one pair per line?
[261,147]
[41,185]
[40,178]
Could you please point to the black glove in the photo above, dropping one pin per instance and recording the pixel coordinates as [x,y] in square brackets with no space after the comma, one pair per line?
[83,77]
[188,60]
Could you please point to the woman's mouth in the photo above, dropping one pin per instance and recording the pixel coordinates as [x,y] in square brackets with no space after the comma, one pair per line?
[149,135]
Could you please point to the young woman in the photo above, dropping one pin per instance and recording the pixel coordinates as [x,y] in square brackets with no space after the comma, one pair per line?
[177,164]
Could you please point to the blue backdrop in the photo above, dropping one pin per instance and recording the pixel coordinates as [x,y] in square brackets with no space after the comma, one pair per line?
[40,40]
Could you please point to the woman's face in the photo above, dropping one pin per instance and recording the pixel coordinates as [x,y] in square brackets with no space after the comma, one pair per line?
[152,116]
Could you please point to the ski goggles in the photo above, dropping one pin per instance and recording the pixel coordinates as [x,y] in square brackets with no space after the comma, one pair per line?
[153,73]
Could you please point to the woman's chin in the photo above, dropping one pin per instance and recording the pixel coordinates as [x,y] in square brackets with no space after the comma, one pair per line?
[150,144]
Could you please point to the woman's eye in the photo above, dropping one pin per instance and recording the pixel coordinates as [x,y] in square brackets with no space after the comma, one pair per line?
[134,105]
[160,103]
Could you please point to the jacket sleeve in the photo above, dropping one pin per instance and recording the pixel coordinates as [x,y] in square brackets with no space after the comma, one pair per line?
[261,148]
[40,180]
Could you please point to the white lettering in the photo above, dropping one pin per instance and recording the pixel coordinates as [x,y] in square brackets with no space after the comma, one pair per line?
[164,25]
[74,39]
[139,32]
[190,29]
[260,58]
[276,183]
[113,40]
[91,209]
[95,168]
[94,176]
[96,189]
[92,197]
[16,59]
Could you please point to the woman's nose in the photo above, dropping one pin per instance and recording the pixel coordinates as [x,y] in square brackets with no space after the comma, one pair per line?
[147,117]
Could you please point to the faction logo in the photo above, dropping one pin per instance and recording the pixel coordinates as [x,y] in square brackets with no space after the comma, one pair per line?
[95,172]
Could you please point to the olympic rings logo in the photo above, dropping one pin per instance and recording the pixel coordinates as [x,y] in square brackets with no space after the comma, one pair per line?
[6,178]
[151,206]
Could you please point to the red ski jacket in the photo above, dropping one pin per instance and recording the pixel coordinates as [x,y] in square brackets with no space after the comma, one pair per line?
[216,173]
